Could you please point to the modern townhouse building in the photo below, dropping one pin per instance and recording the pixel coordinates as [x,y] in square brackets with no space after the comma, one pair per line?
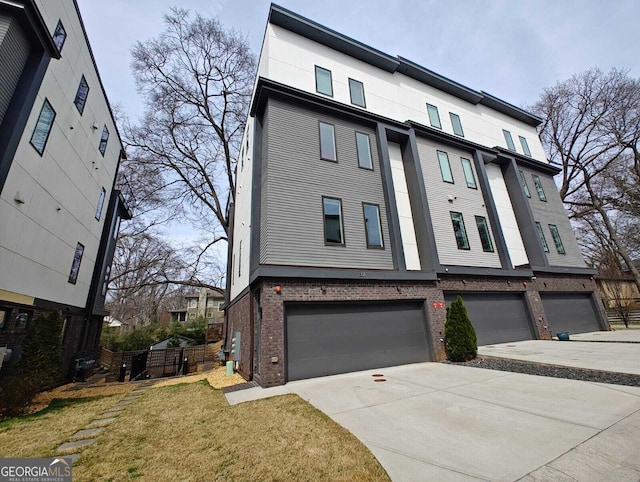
[59,155]
[371,192]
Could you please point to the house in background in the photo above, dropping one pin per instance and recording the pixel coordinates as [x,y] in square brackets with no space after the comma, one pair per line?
[371,192]
[59,156]
[206,303]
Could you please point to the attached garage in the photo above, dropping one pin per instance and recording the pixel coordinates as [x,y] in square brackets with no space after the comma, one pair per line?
[570,312]
[330,338]
[496,317]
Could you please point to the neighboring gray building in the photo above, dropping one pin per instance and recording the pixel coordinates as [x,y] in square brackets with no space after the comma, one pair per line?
[371,192]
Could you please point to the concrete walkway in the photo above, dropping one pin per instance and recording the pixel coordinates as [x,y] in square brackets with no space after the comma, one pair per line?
[621,336]
[443,422]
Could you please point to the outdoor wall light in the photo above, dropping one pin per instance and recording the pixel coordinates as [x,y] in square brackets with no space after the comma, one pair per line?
[277,289]
[524,283]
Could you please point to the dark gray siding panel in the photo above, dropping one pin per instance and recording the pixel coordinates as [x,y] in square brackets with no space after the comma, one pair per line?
[571,313]
[294,181]
[14,51]
[552,212]
[329,338]
[496,317]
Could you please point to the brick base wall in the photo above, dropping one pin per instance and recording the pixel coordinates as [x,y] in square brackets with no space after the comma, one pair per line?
[239,319]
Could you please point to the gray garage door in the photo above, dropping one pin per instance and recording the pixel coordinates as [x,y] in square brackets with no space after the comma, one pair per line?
[329,338]
[497,317]
[573,313]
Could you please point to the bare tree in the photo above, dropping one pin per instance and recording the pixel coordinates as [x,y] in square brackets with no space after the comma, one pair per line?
[196,79]
[590,127]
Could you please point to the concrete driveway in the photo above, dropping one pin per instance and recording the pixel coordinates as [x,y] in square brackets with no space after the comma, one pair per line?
[441,422]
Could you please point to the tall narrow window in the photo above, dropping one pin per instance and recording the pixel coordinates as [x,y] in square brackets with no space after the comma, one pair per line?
[116,228]
[333,230]
[525,146]
[327,142]
[103,140]
[103,193]
[525,186]
[556,239]
[445,167]
[507,137]
[543,240]
[43,127]
[459,231]
[356,90]
[324,85]
[538,184]
[59,35]
[240,259]
[457,125]
[363,147]
[468,173]
[75,265]
[485,235]
[372,225]
[81,95]
[434,117]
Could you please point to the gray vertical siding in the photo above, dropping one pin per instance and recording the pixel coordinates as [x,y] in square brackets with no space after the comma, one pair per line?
[552,212]
[294,181]
[14,51]
[469,202]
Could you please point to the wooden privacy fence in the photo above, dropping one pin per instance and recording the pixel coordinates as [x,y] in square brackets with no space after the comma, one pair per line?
[155,363]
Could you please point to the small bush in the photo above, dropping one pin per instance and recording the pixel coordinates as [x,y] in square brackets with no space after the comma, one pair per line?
[461,343]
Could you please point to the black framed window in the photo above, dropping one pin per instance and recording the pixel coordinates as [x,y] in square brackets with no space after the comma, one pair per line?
[363,146]
[456,124]
[525,186]
[356,91]
[59,35]
[75,265]
[81,95]
[459,230]
[333,227]
[4,317]
[468,173]
[43,127]
[555,234]
[324,84]
[434,116]
[538,184]
[103,140]
[445,167]
[103,193]
[22,320]
[507,137]
[543,240]
[525,146]
[372,225]
[327,142]
[485,235]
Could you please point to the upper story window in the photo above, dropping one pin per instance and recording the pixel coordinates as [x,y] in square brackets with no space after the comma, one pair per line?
[103,193]
[220,305]
[328,142]
[538,184]
[457,125]
[507,137]
[445,167]
[372,225]
[59,35]
[75,265]
[434,117]
[333,229]
[543,240]
[356,90]
[525,146]
[193,303]
[363,147]
[525,186]
[103,140]
[556,239]
[458,229]
[209,303]
[468,173]
[324,84]
[81,95]
[43,127]
[485,235]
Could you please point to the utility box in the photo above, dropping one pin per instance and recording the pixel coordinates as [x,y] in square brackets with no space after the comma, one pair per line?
[235,346]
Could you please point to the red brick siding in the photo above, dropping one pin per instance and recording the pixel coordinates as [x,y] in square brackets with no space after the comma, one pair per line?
[239,316]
